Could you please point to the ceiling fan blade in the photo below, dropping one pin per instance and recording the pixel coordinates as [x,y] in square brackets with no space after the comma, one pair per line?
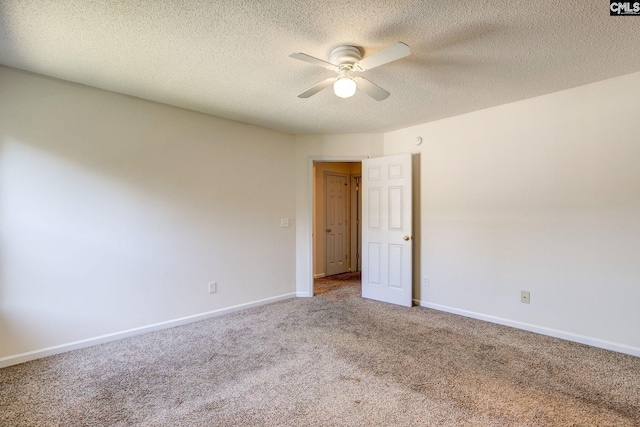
[371,89]
[317,88]
[392,53]
[315,61]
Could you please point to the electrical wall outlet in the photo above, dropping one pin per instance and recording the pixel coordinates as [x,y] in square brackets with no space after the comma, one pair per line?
[525,297]
[213,287]
[425,281]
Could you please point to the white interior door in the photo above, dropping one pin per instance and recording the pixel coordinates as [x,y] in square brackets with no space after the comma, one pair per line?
[336,224]
[386,229]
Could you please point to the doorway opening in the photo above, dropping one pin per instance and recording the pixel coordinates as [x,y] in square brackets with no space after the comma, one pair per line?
[337,229]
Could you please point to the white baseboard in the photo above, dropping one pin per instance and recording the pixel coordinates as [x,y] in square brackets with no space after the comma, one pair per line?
[319,276]
[303,294]
[75,345]
[594,342]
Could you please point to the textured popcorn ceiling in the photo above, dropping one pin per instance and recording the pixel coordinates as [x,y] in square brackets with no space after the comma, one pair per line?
[230,57]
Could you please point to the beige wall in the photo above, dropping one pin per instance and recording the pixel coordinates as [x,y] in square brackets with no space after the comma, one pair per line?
[116,213]
[320,169]
[540,195]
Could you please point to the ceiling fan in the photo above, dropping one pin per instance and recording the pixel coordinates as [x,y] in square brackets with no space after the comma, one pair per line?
[347,60]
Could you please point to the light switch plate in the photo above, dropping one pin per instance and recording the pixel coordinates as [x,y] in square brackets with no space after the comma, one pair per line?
[213,287]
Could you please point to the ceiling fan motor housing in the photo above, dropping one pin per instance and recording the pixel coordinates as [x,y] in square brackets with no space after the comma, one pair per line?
[345,55]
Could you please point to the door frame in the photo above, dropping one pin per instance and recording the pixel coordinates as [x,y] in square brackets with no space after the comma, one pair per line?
[355,216]
[310,181]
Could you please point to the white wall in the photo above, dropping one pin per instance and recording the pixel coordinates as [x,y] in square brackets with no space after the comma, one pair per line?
[540,195]
[115,213]
[326,148]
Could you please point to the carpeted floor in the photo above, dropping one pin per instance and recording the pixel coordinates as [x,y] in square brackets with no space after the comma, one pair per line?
[332,360]
[331,283]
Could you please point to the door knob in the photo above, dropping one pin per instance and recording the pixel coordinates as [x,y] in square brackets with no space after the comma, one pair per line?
[328,230]
[406,237]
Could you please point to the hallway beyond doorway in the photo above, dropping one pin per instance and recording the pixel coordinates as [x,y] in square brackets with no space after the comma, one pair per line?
[330,283]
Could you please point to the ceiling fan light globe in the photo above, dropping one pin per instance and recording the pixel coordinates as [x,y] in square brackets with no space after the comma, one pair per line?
[344,87]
